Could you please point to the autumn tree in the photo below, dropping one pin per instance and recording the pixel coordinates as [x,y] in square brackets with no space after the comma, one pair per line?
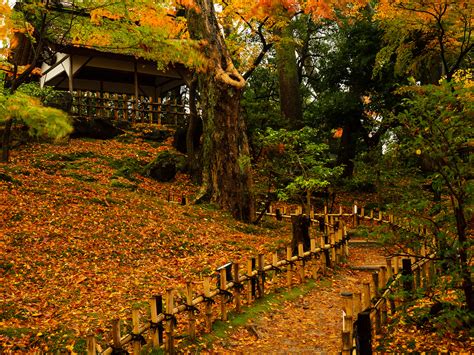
[21,107]
[226,159]
[428,39]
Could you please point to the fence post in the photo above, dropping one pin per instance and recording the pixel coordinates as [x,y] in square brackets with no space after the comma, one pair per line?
[261,275]
[323,261]
[156,307]
[301,261]
[384,311]
[223,296]
[347,322]
[366,295]
[238,306]
[207,295]
[191,315]
[383,277]
[91,345]
[169,346]
[334,248]
[314,263]
[407,274]
[289,255]
[395,265]
[249,281]
[357,298]
[375,280]
[388,260]
[354,215]
[116,335]
[137,344]
[364,333]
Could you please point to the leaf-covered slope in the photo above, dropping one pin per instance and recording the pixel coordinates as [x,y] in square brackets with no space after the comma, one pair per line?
[83,237]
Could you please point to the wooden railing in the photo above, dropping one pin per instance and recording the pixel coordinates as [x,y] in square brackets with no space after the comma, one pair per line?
[237,283]
[128,108]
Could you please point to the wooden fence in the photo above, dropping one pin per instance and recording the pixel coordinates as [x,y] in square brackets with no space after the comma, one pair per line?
[128,108]
[235,284]
[365,312]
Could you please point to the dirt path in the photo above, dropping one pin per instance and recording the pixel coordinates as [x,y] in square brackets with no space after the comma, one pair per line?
[310,324]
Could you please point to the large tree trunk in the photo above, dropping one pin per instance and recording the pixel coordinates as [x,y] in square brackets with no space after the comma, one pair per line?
[193,135]
[226,158]
[290,95]
[347,147]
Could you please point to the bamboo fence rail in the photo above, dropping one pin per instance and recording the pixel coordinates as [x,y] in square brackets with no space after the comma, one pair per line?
[237,284]
[128,108]
[233,284]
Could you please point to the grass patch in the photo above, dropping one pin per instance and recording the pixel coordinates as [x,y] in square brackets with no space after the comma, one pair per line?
[15,332]
[126,168]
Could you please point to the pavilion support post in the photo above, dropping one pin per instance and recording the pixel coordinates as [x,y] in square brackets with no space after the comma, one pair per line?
[71,76]
[135,87]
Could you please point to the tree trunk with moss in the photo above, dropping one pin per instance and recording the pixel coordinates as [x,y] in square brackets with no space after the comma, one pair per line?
[290,95]
[226,159]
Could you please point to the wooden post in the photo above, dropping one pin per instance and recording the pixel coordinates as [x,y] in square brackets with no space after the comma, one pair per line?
[156,307]
[383,277]
[348,311]
[364,333]
[301,262]
[91,345]
[332,237]
[135,91]
[169,346]
[340,211]
[159,109]
[347,323]
[207,294]
[388,260]
[238,305]
[378,324]
[116,334]
[357,299]
[125,107]
[407,275]
[261,275]
[354,215]
[395,265]
[375,282]
[274,263]
[289,254]
[249,282]
[427,274]
[366,295]
[314,262]
[137,344]
[191,315]
[175,112]
[346,343]
[223,297]
[384,312]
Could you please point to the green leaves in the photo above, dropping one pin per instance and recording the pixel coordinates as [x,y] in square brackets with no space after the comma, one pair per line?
[41,121]
[294,162]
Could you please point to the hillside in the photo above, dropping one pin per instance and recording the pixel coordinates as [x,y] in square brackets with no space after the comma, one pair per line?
[83,238]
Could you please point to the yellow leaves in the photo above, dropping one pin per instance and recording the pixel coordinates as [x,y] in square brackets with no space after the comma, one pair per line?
[98,14]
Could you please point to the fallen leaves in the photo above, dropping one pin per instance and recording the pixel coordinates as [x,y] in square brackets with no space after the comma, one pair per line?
[77,252]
